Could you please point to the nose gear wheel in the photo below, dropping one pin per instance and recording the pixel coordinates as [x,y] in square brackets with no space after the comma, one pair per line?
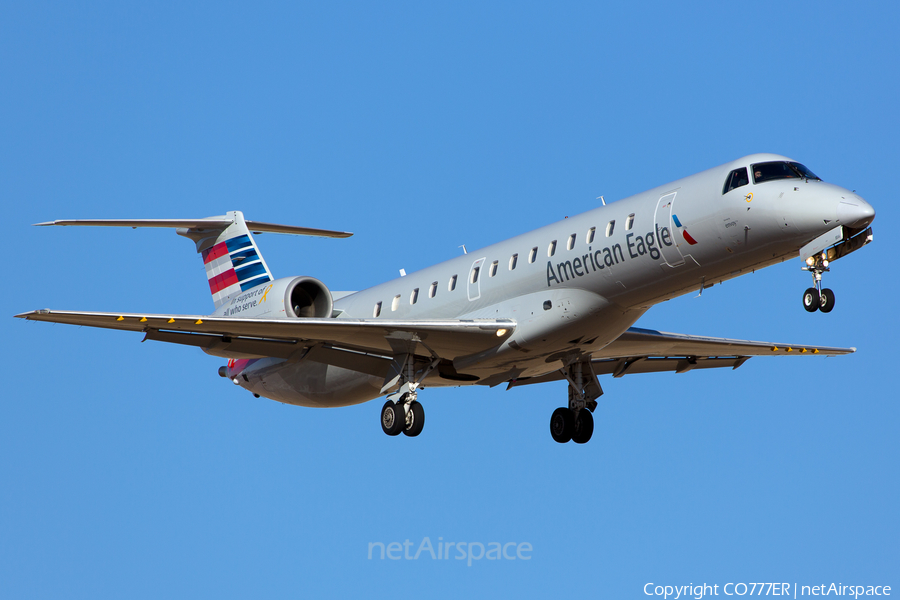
[826,300]
[811,300]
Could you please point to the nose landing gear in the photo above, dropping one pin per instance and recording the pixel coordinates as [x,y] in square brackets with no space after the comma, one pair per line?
[820,253]
[818,298]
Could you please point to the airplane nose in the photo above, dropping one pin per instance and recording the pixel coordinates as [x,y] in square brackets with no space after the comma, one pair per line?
[854,212]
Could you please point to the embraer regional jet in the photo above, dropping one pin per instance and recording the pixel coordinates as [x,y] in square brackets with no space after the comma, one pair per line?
[557,303]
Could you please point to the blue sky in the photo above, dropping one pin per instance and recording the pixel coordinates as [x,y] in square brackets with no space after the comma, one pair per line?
[133,470]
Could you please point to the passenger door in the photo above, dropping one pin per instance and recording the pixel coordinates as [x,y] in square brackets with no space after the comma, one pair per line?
[663,219]
[473,282]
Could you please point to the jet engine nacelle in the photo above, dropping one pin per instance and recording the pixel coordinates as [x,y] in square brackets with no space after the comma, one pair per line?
[286,298]
[307,297]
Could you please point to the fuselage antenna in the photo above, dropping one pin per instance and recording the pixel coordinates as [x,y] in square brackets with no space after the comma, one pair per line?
[600,198]
[464,249]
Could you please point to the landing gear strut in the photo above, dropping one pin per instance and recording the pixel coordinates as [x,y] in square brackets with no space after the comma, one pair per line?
[575,422]
[818,298]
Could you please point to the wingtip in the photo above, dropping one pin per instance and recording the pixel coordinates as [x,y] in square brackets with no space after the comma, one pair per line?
[25,315]
[44,224]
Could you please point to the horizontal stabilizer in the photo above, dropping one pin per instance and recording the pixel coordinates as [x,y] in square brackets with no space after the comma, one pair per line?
[231,257]
[210,224]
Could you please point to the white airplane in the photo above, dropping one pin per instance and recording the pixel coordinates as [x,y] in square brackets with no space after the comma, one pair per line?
[556,303]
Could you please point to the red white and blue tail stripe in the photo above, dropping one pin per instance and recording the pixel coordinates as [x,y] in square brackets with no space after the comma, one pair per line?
[233,263]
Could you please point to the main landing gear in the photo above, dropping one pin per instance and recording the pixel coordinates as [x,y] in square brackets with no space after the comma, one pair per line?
[575,422]
[567,424]
[402,413]
[818,298]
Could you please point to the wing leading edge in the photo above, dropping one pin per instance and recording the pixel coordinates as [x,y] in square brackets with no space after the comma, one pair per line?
[648,342]
[283,338]
[366,343]
[649,351]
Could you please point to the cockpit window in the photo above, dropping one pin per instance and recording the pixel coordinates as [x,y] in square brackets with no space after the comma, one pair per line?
[804,172]
[781,170]
[736,179]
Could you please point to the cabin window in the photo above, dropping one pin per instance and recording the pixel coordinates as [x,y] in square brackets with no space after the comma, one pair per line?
[610,227]
[590,236]
[414,297]
[629,222]
[533,255]
[433,290]
[452,285]
[395,304]
[494,267]
[512,261]
[377,312]
[551,249]
[736,179]
[571,243]
[474,277]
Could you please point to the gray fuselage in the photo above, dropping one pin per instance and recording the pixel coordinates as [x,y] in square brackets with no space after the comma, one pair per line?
[574,286]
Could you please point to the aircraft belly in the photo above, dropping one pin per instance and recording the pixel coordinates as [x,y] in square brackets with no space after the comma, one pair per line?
[308,383]
[578,322]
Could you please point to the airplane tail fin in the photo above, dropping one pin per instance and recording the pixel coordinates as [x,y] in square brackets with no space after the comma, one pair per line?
[232,260]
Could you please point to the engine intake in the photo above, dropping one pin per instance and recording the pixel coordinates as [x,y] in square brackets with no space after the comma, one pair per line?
[307,297]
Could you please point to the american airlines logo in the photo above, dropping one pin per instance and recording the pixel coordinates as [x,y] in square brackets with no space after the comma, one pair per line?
[687,237]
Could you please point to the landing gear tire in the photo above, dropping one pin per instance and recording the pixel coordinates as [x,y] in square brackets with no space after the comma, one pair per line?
[584,427]
[562,425]
[826,300]
[415,420]
[393,418]
[811,300]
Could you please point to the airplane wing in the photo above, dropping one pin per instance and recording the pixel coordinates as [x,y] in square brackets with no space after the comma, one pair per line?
[649,351]
[648,342]
[287,338]
[366,344]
